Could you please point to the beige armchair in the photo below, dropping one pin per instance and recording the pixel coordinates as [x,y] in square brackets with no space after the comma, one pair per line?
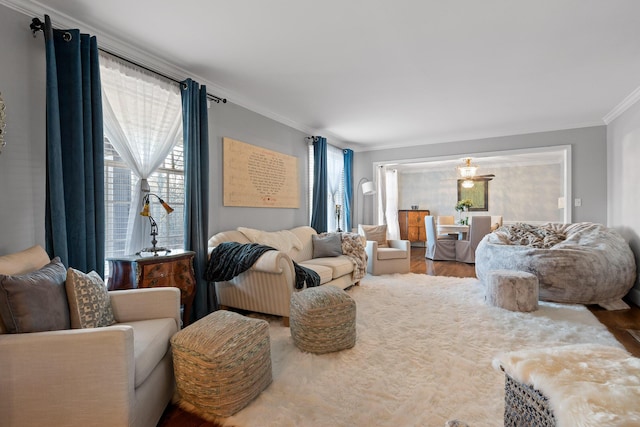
[385,256]
[119,375]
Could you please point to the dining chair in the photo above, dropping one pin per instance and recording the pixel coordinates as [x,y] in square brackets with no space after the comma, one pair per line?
[438,249]
[446,220]
[479,226]
[496,222]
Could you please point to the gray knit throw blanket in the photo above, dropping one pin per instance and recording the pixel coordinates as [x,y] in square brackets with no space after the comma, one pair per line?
[229,259]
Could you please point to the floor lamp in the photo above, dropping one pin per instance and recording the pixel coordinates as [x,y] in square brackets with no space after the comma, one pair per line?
[367,188]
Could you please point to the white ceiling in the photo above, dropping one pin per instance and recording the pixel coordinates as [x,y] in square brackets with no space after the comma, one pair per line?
[385,73]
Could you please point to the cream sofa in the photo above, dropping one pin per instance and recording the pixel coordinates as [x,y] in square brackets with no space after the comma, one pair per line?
[268,285]
[120,375]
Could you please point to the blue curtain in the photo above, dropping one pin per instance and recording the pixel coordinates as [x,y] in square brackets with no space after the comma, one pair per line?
[74,218]
[319,208]
[195,130]
[348,187]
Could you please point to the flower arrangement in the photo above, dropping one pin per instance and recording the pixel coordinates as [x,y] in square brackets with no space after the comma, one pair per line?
[463,205]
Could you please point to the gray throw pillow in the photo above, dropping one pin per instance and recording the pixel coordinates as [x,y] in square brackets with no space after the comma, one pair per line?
[89,301]
[329,245]
[36,301]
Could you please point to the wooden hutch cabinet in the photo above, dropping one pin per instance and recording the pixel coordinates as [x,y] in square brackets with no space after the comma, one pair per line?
[412,225]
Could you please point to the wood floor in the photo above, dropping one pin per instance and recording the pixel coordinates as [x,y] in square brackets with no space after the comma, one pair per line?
[618,322]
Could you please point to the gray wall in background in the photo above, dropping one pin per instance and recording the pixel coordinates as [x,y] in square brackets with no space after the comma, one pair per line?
[509,192]
[22,162]
[623,145]
[232,121]
[588,166]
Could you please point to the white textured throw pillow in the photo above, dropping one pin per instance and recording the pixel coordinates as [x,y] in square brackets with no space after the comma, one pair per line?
[89,301]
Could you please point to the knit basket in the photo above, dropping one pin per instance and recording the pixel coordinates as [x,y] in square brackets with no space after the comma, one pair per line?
[222,362]
[524,406]
[323,319]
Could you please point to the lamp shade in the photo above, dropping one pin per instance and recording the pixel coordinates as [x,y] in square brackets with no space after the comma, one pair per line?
[368,188]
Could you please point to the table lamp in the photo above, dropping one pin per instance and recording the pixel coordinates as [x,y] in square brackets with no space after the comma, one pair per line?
[154,225]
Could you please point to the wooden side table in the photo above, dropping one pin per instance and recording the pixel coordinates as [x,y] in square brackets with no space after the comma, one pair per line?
[174,268]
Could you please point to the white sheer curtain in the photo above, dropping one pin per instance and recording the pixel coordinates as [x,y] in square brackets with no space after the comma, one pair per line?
[391,209]
[335,186]
[381,188]
[143,121]
[387,193]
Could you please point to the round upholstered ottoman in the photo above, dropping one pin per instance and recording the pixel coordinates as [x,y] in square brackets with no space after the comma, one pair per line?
[221,363]
[323,319]
[512,290]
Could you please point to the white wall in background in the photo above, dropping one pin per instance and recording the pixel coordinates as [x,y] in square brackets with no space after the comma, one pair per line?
[623,159]
[510,192]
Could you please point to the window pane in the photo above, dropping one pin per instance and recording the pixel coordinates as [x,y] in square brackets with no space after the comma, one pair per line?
[167,182]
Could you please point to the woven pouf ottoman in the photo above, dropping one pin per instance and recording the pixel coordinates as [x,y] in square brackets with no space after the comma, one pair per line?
[323,319]
[512,290]
[221,362]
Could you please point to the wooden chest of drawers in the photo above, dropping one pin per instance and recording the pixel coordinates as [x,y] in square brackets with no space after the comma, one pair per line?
[172,269]
[412,225]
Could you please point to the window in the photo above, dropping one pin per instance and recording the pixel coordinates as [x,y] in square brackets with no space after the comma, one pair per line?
[143,138]
[167,182]
[335,186]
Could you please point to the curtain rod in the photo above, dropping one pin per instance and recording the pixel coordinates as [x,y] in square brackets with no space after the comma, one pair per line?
[37,25]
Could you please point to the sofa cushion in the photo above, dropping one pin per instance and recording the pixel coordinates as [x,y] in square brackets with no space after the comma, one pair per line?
[329,245]
[325,273]
[89,302]
[391,253]
[339,266]
[375,233]
[35,301]
[150,344]
[283,240]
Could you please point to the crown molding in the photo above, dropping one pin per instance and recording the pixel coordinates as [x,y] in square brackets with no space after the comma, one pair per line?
[626,103]
[120,47]
[474,136]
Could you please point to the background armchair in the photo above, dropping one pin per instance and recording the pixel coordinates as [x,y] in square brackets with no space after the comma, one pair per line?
[120,375]
[385,256]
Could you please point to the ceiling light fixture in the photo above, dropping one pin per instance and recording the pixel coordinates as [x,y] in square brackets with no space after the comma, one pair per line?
[467,170]
[467,183]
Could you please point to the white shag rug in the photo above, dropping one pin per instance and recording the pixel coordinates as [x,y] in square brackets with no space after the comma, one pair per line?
[423,356]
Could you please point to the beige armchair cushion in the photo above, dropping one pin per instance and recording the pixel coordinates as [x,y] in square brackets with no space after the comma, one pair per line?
[25,261]
[375,233]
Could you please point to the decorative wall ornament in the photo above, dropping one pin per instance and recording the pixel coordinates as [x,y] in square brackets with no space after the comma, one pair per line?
[3,123]
[258,177]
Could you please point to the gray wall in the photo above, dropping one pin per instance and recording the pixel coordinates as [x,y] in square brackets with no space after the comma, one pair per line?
[229,120]
[623,144]
[588,169]
[22,162]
